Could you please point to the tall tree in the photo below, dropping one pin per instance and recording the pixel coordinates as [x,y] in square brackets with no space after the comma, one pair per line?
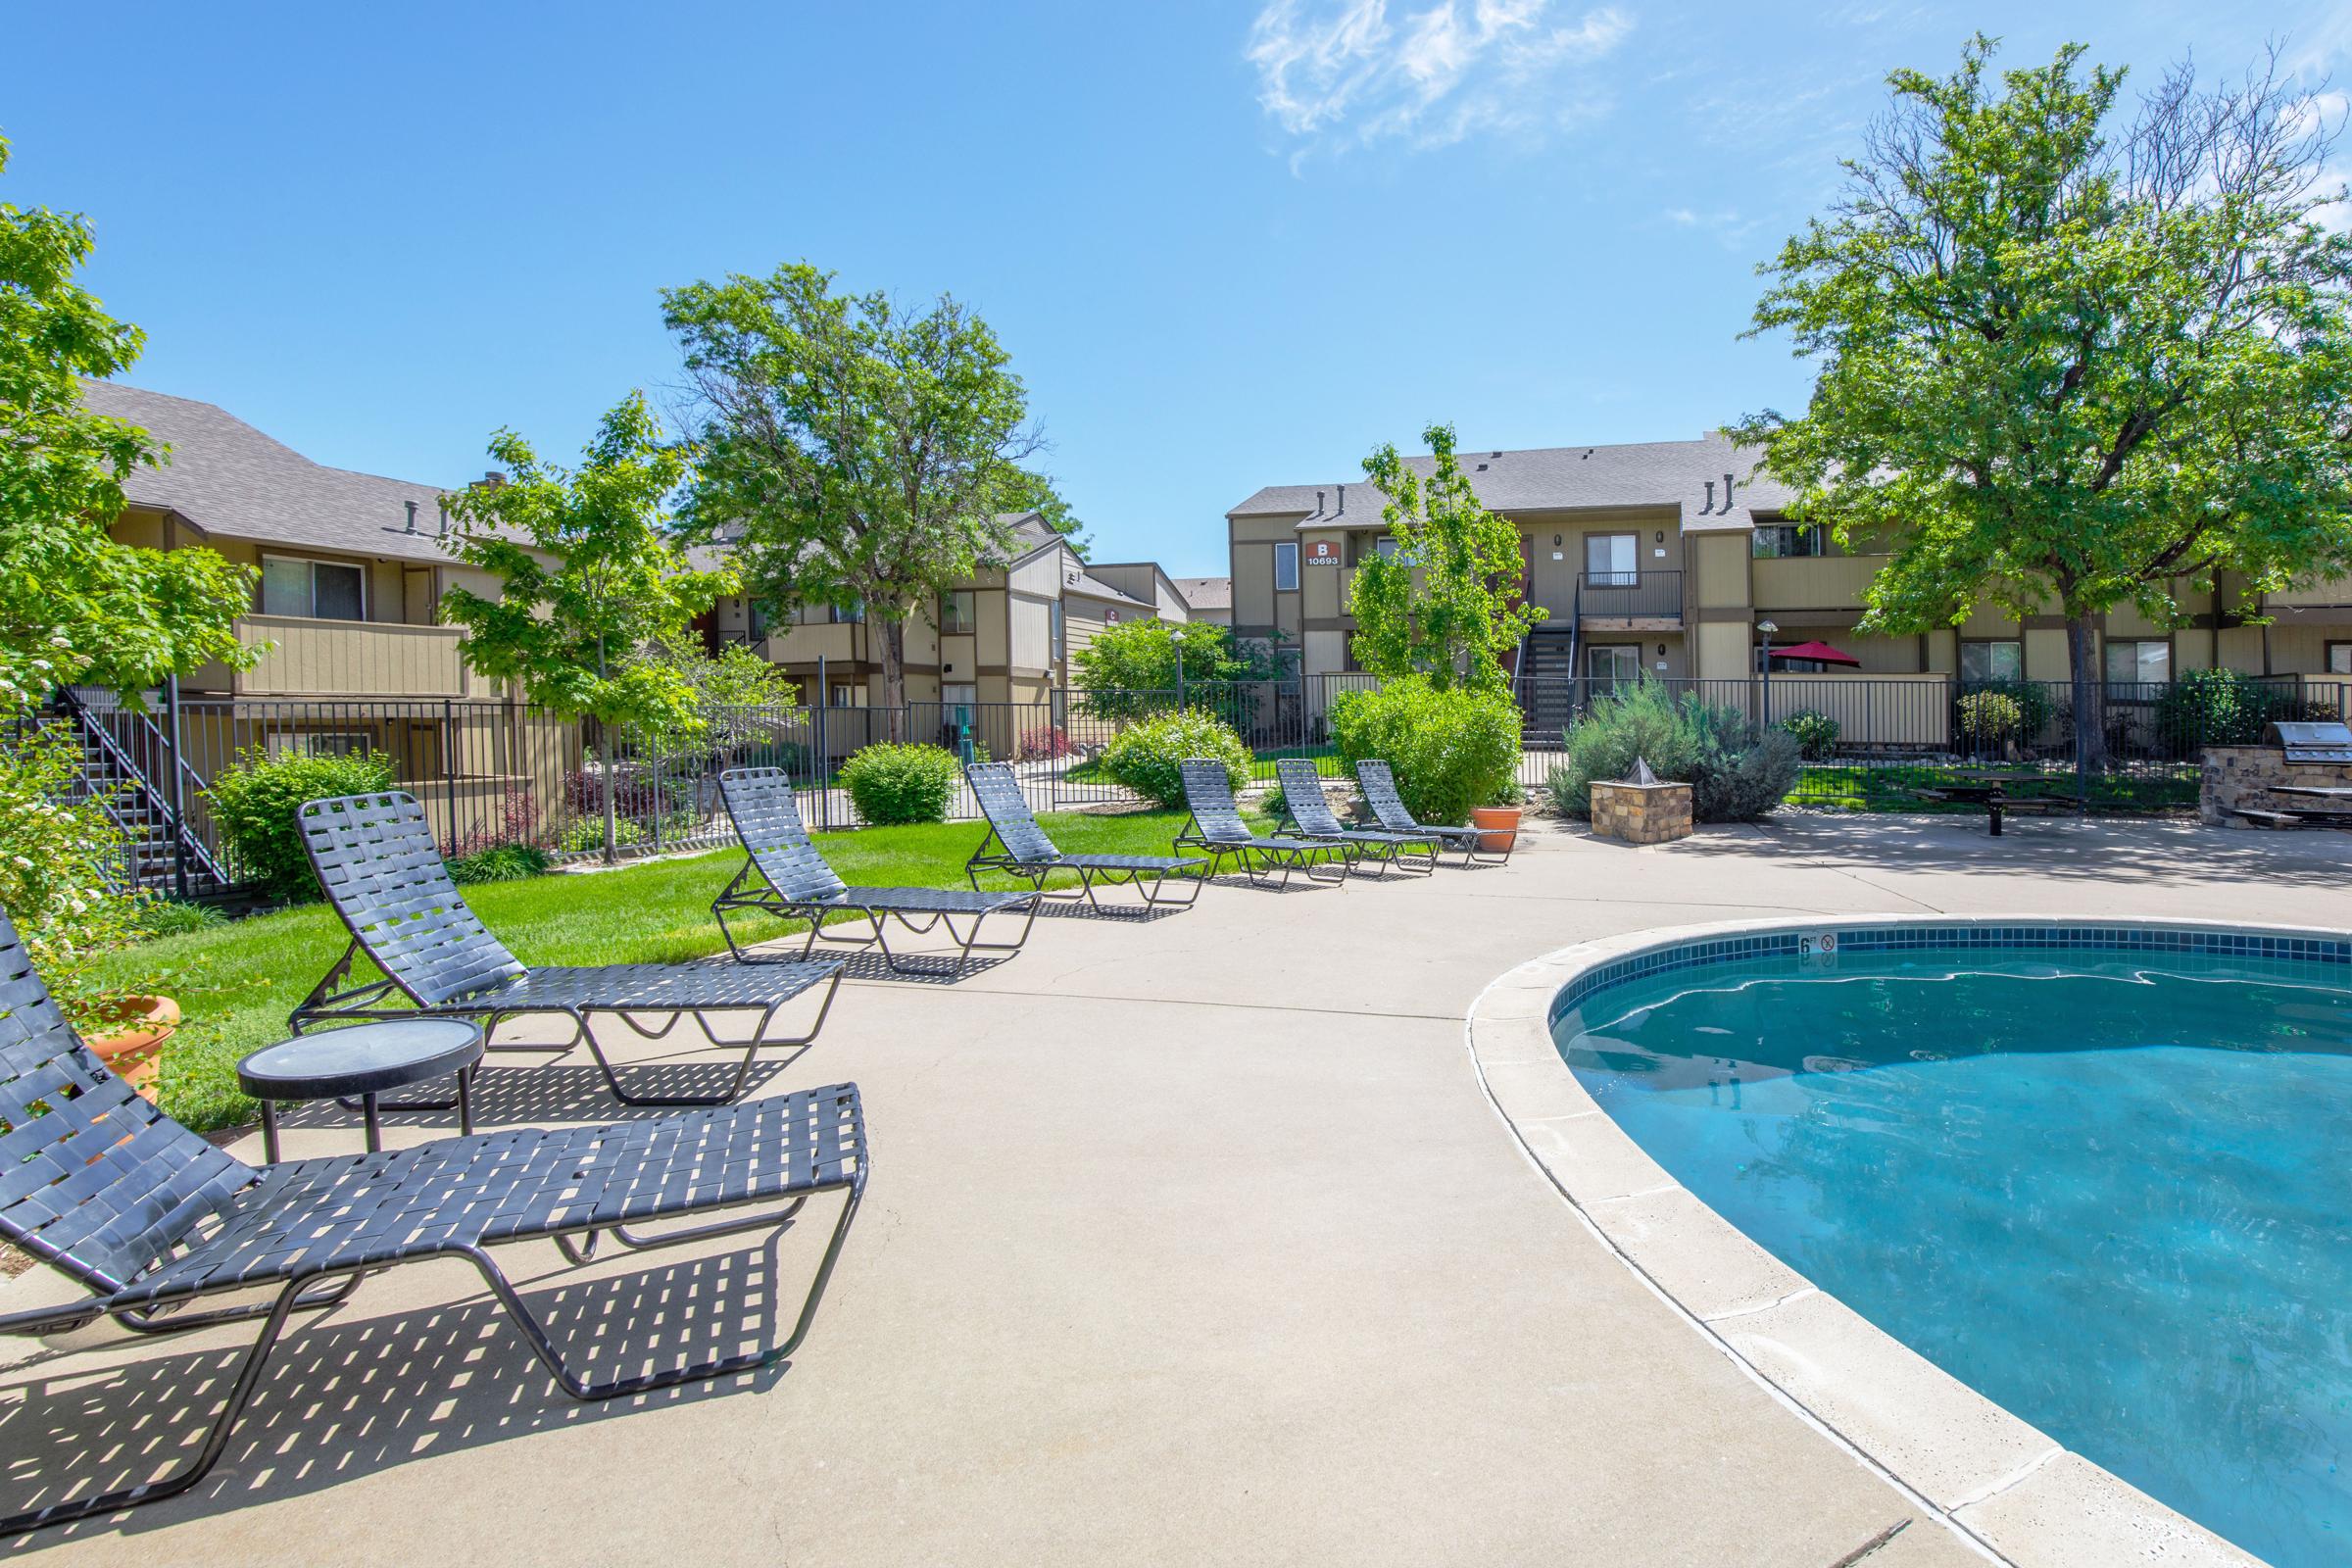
[591,581]
[1030,491]
[853,451]
[2060,364]
[1447,603]
[75,605]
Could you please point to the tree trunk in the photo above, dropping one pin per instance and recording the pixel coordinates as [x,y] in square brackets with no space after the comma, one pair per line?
[603,756]
[894,676]
[2090,716]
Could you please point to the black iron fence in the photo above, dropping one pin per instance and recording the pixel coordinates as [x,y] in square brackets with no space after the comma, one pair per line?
[493,773]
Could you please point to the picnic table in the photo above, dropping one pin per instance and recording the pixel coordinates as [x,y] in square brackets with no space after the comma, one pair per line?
[1992,792]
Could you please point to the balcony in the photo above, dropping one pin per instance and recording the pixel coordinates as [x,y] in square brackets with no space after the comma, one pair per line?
[314,658]
[1629,601]
[1813,582]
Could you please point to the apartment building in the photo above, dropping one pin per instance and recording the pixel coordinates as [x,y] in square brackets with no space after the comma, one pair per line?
[1007,635]
[1668,558]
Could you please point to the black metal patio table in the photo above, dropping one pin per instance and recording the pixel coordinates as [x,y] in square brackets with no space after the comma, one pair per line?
[360,1063]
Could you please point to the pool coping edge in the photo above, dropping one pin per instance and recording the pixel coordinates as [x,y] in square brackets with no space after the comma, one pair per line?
[1999,1484]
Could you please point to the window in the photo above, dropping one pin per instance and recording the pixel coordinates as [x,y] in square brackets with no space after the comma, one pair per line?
[1992,661]
[1610,561]
[1609,664]
[1774,539]
[850,614]
[843,695]
[326,590]
[956,612]
[1061,647]
[2339,658]
[2138,663]
[1286,569]
[1387,545]
[320,743]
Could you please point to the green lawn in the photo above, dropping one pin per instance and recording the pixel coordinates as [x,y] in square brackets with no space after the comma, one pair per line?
[1326,763]
[1896,789]
[236,983]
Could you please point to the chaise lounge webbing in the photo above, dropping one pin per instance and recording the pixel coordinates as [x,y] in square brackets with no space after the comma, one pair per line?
[1302,794]
[998,792]
[358,1211]
[767,820]
[1210,793]
[1379,784]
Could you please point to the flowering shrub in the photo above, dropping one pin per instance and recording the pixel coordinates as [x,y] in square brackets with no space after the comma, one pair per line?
[1816,734]
[1991,717]
[59,859]
[1045,744]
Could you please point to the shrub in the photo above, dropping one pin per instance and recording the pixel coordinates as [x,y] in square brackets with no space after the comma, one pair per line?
[2221,708]
[1814,734]
[159,916]
[2035,705]
[1734,773]
[891,783]
[1144,757]
[587,835]
[517,822]
[1452,749]
[1045,744]
[1990,717]
[59,862]
[504,863]
[255,801]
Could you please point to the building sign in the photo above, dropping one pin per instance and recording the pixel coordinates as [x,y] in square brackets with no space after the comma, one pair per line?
[1322,553]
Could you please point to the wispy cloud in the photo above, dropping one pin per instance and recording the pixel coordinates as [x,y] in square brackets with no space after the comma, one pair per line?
[1340,74]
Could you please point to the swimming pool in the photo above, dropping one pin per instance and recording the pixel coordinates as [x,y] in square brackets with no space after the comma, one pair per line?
[2097,1173]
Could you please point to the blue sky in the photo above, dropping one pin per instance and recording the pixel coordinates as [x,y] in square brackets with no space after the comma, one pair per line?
[1227,245]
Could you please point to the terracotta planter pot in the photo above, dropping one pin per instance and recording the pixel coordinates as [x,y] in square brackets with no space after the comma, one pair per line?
[1497,826]
[131,1042]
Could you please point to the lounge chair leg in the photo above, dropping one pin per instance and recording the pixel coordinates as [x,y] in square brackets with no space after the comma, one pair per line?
[216,1442]
[580,1388]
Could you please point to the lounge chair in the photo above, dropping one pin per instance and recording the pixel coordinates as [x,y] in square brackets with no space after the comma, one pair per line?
[783,874]
[152,1220]
[375,856]
[1216,826]
[1388,809]
[1308,813]
[1024,851]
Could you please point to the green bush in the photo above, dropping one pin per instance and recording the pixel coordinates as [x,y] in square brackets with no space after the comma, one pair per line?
[586,835]
[891,783]
[1144,757]
[504,863]
[255,801]
[159,916]
[59,861]
[1990,717]
[2221,708]
[2035,707]
[1734,773]
[1814,734]
[1452,750]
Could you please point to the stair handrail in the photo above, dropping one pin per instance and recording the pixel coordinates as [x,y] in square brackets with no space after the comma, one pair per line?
[136,776]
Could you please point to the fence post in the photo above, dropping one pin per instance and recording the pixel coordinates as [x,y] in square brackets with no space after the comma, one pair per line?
[660,788]
[1180,678]
[177,793]
[824,758]
[449,765]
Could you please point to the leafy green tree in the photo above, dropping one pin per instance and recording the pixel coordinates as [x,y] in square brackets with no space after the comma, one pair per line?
[1140,667]
[75,605]
[590,579]
[740,699]
[2060,364]
[852,452]
[1446,605]
[1030,491]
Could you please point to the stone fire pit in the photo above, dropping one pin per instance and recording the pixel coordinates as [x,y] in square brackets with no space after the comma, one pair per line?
[1640,809]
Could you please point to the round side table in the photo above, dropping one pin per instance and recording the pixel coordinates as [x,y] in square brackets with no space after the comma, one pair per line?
[362,1062]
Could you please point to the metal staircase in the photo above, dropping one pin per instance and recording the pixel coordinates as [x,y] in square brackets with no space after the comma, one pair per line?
[1546,687]
[122,753]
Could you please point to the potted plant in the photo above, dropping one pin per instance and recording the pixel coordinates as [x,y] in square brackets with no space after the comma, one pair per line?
[1497,825]
[128,1036]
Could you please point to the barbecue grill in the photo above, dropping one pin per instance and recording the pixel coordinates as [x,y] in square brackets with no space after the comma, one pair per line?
[2312,743]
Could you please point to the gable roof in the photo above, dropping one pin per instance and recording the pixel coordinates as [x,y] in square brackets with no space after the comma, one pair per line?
[1205,593]
[1096,588]
[228,479]
[1640,473]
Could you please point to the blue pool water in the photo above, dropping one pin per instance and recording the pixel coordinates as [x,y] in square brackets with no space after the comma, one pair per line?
[2111,1191]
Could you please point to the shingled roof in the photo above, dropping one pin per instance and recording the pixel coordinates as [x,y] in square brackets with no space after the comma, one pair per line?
[229,480]
[1641,473]
[1206,593]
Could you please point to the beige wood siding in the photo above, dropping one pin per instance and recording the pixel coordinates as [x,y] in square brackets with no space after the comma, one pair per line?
[1032,631]
[1813,582]
[350,658]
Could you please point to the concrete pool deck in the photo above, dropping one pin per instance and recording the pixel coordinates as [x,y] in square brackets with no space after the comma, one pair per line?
[1193,1239]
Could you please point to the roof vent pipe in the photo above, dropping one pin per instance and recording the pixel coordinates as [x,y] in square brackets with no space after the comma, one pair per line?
[443,506]
[1727,492]
[411,506]
[1318,503]
[1710,506]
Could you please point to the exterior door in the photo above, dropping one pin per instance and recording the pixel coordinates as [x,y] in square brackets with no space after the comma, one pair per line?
[1611,559]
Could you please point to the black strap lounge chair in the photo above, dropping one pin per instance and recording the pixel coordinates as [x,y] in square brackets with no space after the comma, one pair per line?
[1388,809]
[375,856]
[156,1223]
[1307,813]
[783,874]
[1024,851]
[1216,826]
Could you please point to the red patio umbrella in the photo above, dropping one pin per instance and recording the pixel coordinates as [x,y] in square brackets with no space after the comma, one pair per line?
[1819,652]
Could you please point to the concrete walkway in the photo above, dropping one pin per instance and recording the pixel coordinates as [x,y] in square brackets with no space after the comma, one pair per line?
[1188,1241]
